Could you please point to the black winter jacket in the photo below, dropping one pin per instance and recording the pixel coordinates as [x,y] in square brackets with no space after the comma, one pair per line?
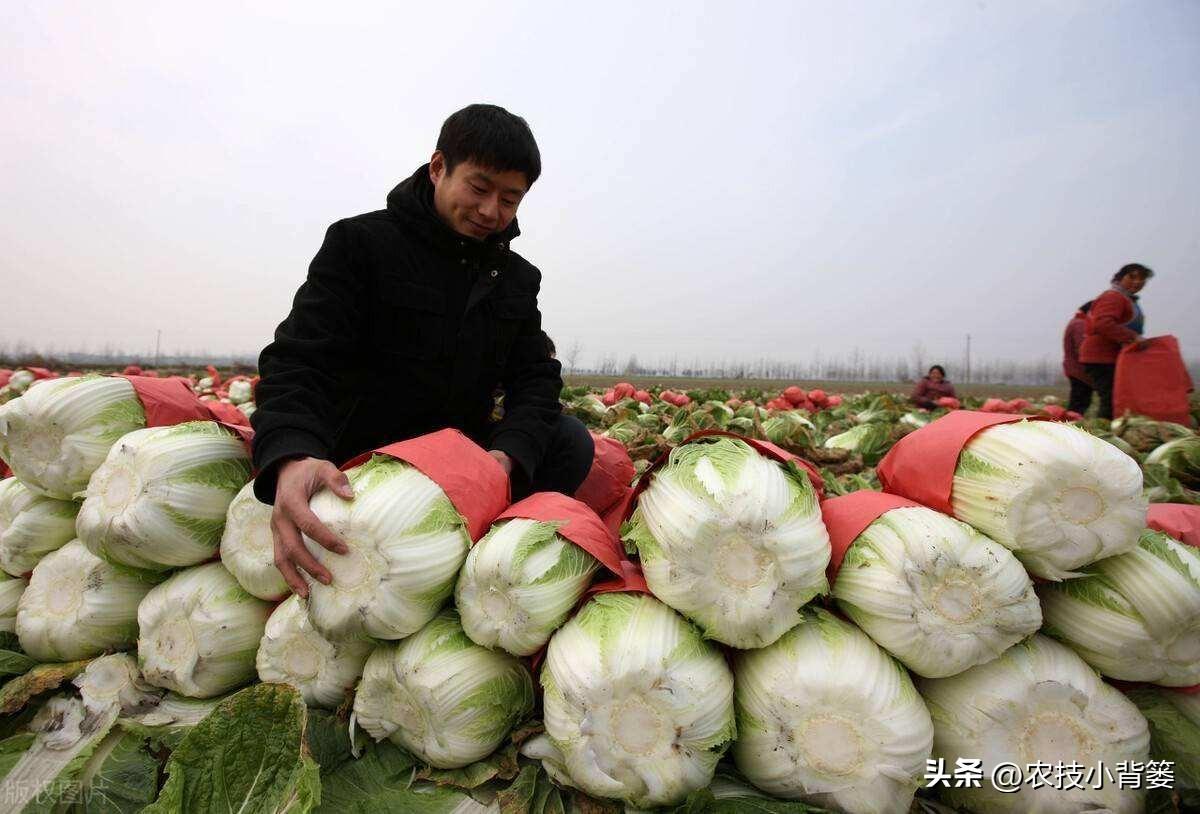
[404,327]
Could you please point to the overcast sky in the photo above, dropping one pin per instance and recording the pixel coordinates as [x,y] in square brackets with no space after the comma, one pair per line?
[722,180]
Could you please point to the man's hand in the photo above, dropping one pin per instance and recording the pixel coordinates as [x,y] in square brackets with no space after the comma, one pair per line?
[504,460]
[298,481]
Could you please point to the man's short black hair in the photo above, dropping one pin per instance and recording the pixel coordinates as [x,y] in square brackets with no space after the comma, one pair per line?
[551,351]
[939,369]
[492,137]
[1132,268]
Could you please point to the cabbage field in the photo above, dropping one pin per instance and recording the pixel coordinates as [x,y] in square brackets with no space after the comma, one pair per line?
[786,600]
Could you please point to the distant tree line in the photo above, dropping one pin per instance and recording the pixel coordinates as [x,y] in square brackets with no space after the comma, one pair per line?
[855,366]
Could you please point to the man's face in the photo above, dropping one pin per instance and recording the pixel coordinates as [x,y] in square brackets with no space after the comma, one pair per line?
[473,200]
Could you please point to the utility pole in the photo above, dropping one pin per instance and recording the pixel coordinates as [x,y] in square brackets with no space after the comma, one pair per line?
[968,376]
[157,346]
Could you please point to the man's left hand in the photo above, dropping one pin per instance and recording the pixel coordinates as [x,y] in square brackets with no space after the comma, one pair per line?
[503,459]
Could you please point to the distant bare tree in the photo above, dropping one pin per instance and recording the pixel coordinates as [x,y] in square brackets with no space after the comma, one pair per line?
[918,354]
[572,355]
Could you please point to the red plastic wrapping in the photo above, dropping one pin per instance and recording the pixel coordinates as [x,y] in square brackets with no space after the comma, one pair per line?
[472,479]
[848,516]
[171,401]
[581,525]
[1153,382]
[608,481]
[921,465]
[1177,520]
[621,512]
[629,578]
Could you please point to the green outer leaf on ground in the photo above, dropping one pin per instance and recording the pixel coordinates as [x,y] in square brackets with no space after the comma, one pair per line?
[248,756]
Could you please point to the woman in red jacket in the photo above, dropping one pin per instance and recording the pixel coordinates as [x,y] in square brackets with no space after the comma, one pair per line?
[1115,320]
[934,386]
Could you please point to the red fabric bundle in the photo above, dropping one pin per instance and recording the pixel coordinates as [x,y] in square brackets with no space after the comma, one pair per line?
[1153,382]
[609,480]
[848,516]
[580,525]
[1177,520]
[472,479]
[921,465]
[170,401]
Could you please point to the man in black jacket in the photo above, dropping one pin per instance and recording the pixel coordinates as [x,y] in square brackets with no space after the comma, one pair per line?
[410,319]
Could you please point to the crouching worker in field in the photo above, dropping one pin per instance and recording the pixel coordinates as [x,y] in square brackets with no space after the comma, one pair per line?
[411,317]
[934,386]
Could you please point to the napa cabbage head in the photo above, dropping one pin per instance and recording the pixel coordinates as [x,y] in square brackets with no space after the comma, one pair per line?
[732,540]
[869,440]
[293,652]
[199,632]
[825,716]
[637,706]
[935,593]
[1134,617]
[406,544]
[248,548]
[31,526]
[11,589]
[1181,457]
[1052,493]
[57,434]
[441,696]
[1036,703]
[159,500]
[519,583]
[78,606]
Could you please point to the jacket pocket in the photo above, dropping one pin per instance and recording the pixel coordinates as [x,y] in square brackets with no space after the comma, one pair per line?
[414,320]
[510,314]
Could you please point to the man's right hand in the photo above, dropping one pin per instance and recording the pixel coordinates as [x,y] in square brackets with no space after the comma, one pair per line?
[298,481]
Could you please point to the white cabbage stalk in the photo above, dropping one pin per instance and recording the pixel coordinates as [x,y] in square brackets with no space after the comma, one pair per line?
[239,391]
[1056,495]
[77,606]
[116,681]
[293,652]
[1037,703]
[441,696]
[68,731]
[638,705]
[732,540]
[248,549]
[200,632]
[11,589]
[934,592]
[1174,719]
[825,716]
[65,735]
[31,526]
[406,541]
[1135,617]
[519,583]
[56,435]
[159,501]
[21,379]
[174,713]
[247,408]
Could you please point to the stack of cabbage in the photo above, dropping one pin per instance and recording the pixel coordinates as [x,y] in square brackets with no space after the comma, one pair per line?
[142,502]
[641,703]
